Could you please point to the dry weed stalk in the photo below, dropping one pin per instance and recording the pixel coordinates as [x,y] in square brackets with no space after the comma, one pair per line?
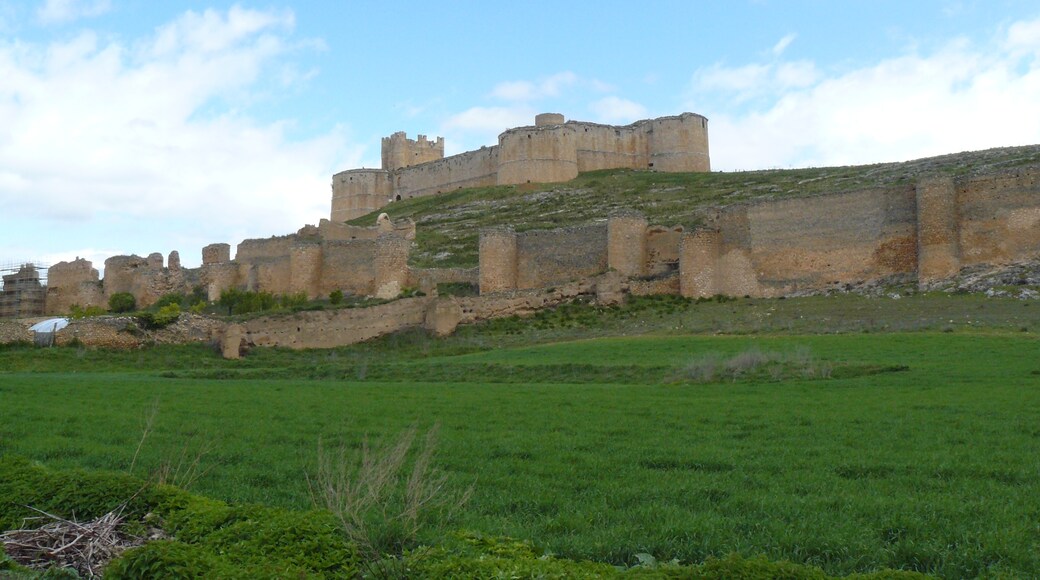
[146,430]
[186,469]
[365,489]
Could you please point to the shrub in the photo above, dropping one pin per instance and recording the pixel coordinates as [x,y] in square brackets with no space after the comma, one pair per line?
[457,289]
[336,297]
[294,301]
[77,312]
[167,299]
[164,317]
[245,302]
[122,302]
[383,494]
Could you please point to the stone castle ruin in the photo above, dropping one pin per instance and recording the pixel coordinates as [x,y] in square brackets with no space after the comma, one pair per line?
[549,152]
[925,231]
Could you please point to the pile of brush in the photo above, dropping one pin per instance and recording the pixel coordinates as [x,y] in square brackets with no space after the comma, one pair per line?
[85,547]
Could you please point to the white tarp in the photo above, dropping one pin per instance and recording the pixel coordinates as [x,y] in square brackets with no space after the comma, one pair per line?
[50,325]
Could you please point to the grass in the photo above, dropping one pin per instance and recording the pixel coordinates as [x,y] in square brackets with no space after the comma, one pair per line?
[449,223]
[919,451]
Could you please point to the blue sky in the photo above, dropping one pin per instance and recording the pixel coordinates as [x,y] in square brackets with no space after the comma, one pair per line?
[133,126]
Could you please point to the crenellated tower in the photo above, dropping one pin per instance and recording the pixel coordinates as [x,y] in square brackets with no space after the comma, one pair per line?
[400,151]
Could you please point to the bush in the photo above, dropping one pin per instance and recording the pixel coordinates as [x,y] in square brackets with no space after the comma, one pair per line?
[293,301]
[122,302]
[383,494]
[336,297]
[245,302]
[167,299]
[164,317]
[77,312]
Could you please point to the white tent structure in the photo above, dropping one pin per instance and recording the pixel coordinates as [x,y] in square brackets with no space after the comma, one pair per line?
[50,325]
[43,332]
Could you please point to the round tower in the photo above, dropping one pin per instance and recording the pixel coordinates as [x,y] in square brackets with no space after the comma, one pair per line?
[546,119]
[546,154]
[358,192]
[679,143]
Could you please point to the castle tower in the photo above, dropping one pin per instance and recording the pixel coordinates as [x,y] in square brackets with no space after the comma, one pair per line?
[305,268]
[541,154]
[400,151]
[358,192]
[497,256]
[679,144]
[626,243]
[699,263]
[938,236]
[391,266]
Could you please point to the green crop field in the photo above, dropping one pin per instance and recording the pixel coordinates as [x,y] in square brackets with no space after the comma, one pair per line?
[896,433]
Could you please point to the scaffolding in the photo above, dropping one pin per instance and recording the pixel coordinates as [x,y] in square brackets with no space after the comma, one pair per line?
[24,291]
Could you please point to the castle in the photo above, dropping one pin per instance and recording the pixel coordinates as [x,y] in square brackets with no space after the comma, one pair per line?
[549,152]
[927,229]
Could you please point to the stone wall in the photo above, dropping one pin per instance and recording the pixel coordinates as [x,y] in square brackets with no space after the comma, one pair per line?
[546,258]
[470,169]
[327,329]
[998,217]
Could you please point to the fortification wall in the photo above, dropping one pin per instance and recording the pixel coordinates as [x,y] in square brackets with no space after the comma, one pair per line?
[327,329]
[359,192]
[800,244]
[74,282]
[348,265]
[609,147]
[429,277]
[470,169]
[662,249]
[545,258]
[329,230]
[998,217]
[259,248]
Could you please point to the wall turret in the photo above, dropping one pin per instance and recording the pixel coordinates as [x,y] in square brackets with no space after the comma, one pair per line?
[399,151]
[358,192]
[545,154]
[679,143]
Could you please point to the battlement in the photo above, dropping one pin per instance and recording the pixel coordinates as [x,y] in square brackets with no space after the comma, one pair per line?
[552,150]
[399,151]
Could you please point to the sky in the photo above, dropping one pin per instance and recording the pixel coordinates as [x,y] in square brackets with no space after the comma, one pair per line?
[136,126]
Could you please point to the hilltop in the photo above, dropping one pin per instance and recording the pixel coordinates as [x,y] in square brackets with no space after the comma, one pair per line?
[448,224]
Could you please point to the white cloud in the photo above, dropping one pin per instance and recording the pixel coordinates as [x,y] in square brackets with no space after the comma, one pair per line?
[62,11]
[754,80]
[550,86]
[481,125]
[959,97]
[143,133]
[783,43]
[615,110]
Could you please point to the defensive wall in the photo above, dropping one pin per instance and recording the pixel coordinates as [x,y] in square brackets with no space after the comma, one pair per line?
[552,150]
[928,231]
[314,261]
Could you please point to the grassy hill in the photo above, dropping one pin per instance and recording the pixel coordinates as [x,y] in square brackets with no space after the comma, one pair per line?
[449,224]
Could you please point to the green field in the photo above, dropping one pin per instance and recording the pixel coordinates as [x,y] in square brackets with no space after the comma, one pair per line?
[910,443]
